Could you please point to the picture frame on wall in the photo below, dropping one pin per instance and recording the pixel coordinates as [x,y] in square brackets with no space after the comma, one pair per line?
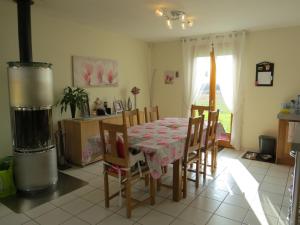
[118,106]
[264,74]
[94,72]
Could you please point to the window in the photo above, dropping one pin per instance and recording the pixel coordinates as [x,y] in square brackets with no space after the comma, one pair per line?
[224,86]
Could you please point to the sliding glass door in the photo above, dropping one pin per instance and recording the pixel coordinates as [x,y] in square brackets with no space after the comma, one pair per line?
[224,87]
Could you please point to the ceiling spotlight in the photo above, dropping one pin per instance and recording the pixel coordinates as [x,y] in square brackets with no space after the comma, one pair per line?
[173,16]
[183,25]
[169,24]
[190,23]
[182,17]
[159,12]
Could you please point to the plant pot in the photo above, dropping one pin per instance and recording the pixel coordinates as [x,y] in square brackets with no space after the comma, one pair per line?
[73,110]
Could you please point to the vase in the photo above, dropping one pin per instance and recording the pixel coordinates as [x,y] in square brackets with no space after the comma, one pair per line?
[73,110]
[129,104]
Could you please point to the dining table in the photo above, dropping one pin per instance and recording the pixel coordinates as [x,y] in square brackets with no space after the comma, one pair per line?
[162,142]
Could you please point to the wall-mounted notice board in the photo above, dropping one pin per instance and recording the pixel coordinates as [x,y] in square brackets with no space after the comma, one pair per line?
[264,74]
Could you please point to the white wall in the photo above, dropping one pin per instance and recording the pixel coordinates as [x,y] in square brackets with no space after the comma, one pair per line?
[261,104]
[55,40]
[280,46]
[167,56]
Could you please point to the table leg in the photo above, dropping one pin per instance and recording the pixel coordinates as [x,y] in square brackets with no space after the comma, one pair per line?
[177,180]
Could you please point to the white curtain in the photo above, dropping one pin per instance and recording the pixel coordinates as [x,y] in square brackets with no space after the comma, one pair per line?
[194,83]
[229,49]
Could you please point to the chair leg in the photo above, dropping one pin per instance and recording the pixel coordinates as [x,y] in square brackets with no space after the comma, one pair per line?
[216,157]
[184,182]
[197,173]
[158,184]
[106,190]
[146,180]
[152,190]
[128,197]
[205,165]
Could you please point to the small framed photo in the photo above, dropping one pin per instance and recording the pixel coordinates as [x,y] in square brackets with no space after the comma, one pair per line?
[118,106]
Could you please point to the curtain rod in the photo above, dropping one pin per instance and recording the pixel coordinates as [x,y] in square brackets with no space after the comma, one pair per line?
[209,36]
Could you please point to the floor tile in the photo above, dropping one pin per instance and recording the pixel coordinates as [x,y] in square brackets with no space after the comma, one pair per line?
[195,216]
[63,199]
[277,189]
[54,217]
[81,174]
[259,219]
[4,210]
[170,207]
[75,221]
[98,182]
[116,219]
[232,212]
[113,204]
[14,219]
[237,200]
[219,220]
[180,222]
[136,214]
[76,206]
[219,195]
[156,218]
[277,174]
[84,190]
[275,180]
[94,196]
[40,210]
[31,222]
[94,214]
[205,204]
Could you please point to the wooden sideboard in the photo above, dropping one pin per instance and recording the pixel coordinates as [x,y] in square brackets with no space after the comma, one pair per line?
[283,147]
[79,130]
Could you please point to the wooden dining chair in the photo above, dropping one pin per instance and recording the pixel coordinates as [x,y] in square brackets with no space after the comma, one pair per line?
[192,150]
[151,114]
[198,110]
[210,143]
[131,118]
[119,162]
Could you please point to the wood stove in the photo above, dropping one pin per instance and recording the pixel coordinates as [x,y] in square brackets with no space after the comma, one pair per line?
[31,101]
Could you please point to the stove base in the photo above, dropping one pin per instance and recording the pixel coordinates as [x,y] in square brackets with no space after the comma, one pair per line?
[35,171]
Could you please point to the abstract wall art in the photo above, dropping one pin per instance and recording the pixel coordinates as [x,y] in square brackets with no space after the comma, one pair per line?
[89,72]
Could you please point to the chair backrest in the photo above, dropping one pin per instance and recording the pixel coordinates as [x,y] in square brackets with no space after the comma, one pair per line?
[198,109]
[194,136]
[211,130]
[151,114]
[131,118]
[114,137]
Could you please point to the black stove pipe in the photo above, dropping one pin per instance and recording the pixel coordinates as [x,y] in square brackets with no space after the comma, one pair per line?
[24,29]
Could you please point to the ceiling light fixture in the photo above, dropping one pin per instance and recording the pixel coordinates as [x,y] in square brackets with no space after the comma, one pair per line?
[174,15]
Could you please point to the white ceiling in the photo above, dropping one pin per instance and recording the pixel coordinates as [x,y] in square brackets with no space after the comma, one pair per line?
[136,18]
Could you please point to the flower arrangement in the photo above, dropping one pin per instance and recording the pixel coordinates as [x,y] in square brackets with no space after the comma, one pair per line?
[135,91]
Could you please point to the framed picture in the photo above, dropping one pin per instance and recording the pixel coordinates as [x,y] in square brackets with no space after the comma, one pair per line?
[264,74]
[118,106]
[169,77]
[89,72]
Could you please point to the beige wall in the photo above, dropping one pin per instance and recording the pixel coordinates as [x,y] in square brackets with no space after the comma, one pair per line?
[56,40]
[261,104]
[167,56]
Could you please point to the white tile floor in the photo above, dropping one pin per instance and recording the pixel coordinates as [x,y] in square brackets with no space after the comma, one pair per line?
[241,192]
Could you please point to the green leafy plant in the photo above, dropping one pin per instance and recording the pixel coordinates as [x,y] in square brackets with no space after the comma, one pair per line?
[73,97]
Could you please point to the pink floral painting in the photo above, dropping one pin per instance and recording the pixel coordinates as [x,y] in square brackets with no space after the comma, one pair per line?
[89,72]
[169,77]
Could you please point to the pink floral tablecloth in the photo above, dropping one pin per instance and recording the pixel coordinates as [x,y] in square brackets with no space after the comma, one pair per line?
[162,141]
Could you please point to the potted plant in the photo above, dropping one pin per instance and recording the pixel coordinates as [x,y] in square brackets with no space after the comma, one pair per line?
[75,97]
